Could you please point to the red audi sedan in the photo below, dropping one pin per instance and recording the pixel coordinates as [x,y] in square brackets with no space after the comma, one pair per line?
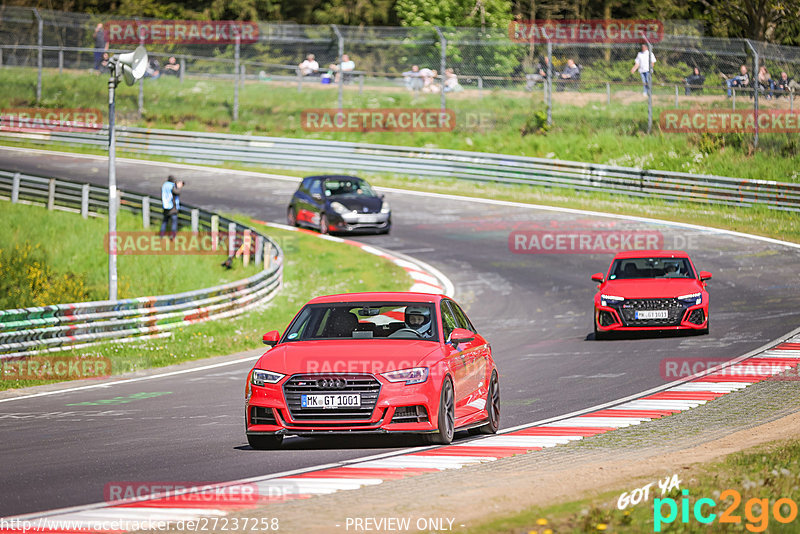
[651,290]
[372,363]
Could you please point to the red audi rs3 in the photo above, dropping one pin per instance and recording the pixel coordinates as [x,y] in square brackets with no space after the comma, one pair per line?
[651,290]
[372,363]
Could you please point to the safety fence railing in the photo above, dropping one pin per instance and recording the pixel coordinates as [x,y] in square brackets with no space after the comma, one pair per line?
[271,152]
[33,330]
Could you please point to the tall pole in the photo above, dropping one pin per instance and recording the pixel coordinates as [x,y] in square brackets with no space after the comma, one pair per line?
[236,78]
[549,82]
[755,96]
[112,188]
[340,38]
[442,64]
[649,79]
[39,56]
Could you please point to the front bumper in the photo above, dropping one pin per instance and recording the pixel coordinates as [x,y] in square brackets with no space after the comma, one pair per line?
[267,412]
[611,319]
[360,222]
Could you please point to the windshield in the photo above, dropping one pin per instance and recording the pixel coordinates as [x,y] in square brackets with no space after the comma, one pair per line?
[348,186]
[651,268]
[364,321]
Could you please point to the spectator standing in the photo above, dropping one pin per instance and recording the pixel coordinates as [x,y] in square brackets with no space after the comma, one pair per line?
[100,45]
[172,68]
[645,60]
[171,203]
[694,81]
[451,84]
[309,67]
[570,74]
[740,80]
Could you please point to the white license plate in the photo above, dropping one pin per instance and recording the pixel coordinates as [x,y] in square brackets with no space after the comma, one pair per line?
[331,401]
[652,314]
[368,219]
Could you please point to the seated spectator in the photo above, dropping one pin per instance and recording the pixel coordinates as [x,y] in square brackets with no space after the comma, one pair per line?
[765,82]
[570,75]
[539,76]
[153,69]
[413,79]
[172,68]
[345,69]
[103,67]
[740,80]
[429,84]
[309,67]
[782,84]
[694,81]
[451,84]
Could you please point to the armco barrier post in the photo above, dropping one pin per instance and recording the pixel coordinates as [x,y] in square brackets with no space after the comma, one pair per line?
[15,189]
[195,220]
[267,255]
[214,231]
[259,249]
[51,194]
[85,201]
[246,242]
[145,212]
[231,238]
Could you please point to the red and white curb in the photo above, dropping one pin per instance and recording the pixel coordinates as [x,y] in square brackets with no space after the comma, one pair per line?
[427,279]
[216,501]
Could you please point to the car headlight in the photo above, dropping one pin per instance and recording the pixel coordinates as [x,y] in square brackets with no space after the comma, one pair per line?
[339,208]
[385,207]
[605,299]
[415,375]
[696,297]
[261,377]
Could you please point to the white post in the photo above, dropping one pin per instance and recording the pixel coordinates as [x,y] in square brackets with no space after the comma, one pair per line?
[246,241]
[214,232]
[145,212]
[259,250]
[195,220]
[51,194]
[15,189]
[231,238]
[85,201]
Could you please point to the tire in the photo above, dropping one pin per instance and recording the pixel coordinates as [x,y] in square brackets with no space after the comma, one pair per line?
[492,407]
[265,442]
[291,217]
[323,224]
[447,417]
[598,335]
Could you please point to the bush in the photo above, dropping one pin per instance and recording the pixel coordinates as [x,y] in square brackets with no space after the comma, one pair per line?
[27,280]
[535,123]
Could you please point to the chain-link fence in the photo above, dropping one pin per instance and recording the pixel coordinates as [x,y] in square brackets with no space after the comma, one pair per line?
[450,67]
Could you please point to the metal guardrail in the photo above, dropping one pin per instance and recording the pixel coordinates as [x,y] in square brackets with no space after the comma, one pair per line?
[33,330]
[215,148]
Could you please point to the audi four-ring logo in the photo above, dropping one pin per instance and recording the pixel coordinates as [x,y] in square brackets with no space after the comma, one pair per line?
[332,383]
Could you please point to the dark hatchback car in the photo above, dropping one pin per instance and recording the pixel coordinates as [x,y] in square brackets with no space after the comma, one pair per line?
[333,204]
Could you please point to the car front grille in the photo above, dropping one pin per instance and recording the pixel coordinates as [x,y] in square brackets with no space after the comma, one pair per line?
[629,308]
[363,384]
[410,414]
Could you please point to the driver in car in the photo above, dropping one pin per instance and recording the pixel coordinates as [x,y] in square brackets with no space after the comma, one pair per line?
[418,319]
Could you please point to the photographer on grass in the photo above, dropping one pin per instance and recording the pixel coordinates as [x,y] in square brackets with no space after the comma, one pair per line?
[171,203]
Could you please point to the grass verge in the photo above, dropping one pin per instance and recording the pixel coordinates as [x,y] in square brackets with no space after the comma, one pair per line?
[61,245]
[760,477]
[585,127]
[313,267]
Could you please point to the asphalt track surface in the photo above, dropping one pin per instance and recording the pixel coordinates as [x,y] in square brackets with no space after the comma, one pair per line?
[534,308]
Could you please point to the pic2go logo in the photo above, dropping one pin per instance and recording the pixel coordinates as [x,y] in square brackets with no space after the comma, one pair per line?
[756,511]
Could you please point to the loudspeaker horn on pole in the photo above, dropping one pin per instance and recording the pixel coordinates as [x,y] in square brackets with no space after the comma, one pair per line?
[133,64]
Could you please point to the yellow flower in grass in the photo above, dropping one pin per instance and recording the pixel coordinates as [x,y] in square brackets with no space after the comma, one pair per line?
[602,526]
[541,521]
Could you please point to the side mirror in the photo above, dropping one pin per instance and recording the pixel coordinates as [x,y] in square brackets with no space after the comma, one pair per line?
[271,338]
[460,335]
[598,277]
[705,275]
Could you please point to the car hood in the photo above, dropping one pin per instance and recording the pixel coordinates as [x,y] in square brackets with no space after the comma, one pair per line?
[348,356]
[652,288]
[358,203]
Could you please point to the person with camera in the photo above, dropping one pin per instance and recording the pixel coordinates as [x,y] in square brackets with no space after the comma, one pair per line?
[171,203]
